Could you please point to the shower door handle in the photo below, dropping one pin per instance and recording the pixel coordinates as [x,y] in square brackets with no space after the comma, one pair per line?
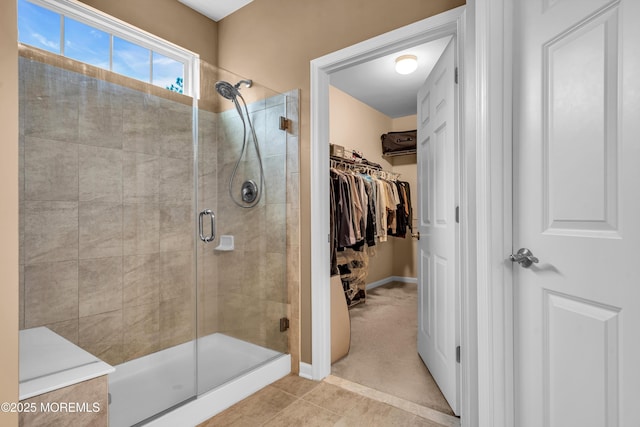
[212,236]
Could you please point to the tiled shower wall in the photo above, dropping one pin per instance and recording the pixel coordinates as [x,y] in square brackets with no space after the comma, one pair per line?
[107,210]
[107,206]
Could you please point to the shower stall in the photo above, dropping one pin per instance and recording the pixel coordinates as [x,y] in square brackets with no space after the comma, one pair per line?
[154,229]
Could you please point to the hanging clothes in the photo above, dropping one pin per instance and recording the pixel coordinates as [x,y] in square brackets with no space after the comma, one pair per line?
[366,209]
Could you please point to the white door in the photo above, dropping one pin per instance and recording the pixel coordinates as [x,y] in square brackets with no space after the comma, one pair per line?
[437,262]
[577,208]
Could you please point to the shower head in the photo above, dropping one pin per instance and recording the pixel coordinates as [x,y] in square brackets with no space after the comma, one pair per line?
[248,83]
[227,90]
[230,91]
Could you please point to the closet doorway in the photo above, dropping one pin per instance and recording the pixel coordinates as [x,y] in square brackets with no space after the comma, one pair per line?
[395,289]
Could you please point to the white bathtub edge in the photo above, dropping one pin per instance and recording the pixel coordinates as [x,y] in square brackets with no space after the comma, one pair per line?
[219,399]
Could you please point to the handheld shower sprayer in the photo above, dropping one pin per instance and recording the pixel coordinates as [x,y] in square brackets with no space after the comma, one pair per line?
[251,193]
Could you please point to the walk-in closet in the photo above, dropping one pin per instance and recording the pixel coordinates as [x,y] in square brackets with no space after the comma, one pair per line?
[375,204]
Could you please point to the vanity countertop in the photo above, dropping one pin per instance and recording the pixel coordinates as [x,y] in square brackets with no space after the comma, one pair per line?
[49,362]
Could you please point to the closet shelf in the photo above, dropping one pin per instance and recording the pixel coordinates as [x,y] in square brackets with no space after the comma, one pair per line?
[400,153]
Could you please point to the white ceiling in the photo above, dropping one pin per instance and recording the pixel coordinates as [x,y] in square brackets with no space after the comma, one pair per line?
[377,84]
[215,9]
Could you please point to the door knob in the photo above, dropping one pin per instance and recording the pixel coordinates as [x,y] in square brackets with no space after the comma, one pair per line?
[524,257]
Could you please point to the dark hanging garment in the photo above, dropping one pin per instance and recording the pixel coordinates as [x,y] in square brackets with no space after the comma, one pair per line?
[333,233]
[346,233]
[401,215]
[407,203]
[370,235]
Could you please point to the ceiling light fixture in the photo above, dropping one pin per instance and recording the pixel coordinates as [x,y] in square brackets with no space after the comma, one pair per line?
[406,64]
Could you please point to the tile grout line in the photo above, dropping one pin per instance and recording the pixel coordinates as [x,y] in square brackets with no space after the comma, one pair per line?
[297,398]
[405,405]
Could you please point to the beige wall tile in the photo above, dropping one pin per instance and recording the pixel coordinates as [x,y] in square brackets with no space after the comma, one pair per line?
[175,136]
[51,170]
[275,175]
[176,180]
[141,330]
[207,148]
[141,280]
[272,312]
[141,175]
[51,293]
[176,227]
[141,228]
[275,141]
[177,321]
[67,329]
[100,230]
[100,174]
[102,335]
[50,231]
[140,122]
[51,105]
[274,279]
[275,227]
[99,285]
[176,275]
[100,114]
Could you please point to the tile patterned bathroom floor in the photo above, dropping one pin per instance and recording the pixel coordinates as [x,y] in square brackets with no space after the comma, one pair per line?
[294,401]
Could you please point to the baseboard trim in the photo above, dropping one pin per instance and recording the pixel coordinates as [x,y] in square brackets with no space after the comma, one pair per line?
[306,371]
[392,279]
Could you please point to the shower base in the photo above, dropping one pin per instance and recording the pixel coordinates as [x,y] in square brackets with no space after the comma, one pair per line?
[229,370]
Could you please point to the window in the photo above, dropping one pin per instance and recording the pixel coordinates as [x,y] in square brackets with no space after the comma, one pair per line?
[86,44]
[73,30]
[38,27]
[131,60]
[168,73]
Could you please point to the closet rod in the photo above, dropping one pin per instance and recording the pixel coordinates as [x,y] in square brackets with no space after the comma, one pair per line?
[363,167]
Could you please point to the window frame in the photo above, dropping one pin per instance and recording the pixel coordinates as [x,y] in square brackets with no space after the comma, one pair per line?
[115,27]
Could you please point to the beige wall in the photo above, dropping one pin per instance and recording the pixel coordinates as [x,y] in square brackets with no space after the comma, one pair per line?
[168,19]
[272,41]
[9,210]
[405,250]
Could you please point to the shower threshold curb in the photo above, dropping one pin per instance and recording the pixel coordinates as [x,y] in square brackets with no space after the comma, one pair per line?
[217,400]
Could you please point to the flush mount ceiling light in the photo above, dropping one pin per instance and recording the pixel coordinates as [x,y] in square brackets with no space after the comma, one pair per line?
[406,64]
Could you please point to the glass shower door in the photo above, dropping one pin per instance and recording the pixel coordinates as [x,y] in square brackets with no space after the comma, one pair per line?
[242,286]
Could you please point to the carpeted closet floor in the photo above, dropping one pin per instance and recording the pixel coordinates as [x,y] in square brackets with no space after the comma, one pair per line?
[383,353]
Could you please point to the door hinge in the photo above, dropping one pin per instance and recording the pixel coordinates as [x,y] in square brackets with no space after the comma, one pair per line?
[458,214]
[458,354]
[284,123]
[455,75]
[284,324]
